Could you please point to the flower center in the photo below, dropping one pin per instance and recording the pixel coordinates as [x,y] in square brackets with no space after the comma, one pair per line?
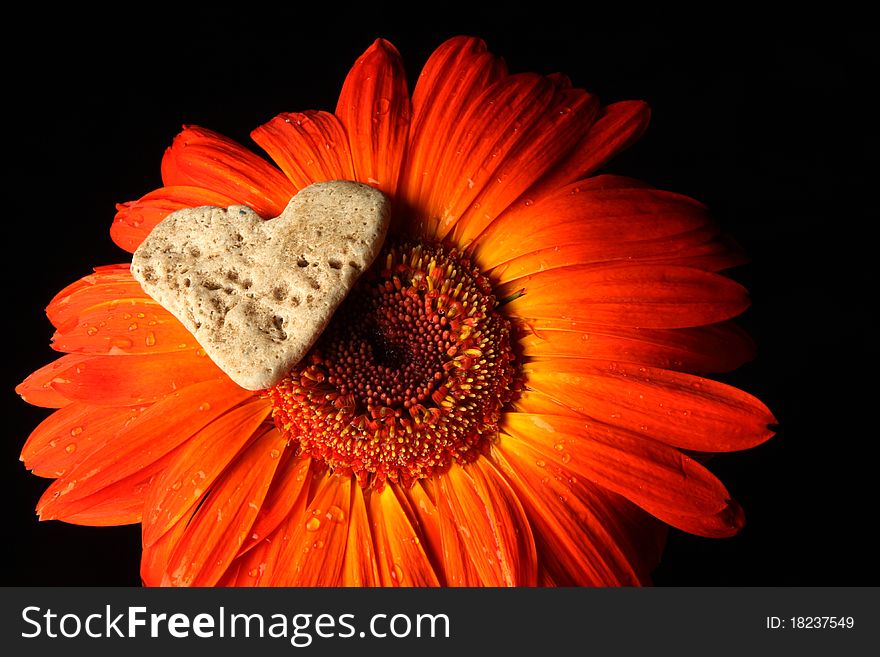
[410,375]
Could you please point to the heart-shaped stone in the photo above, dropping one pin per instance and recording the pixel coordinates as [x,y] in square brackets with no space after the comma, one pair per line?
[257,294]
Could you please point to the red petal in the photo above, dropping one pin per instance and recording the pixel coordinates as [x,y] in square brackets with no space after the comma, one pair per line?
[678,409]
[360,567]
[638,296]
[38,389]
[400,556]
[579,528]
[656,477]
[490,524]
[618,127]
[587,222]
[454,76]
[197,465]
[374,107]
[133,380]
[135,219]
[136,445]
[716,348]
[222,524]
[314,541]
[71,434]
[727,522]
[203,158]
[308,146]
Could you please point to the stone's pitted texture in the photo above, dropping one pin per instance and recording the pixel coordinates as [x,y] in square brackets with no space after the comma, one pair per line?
[257,294]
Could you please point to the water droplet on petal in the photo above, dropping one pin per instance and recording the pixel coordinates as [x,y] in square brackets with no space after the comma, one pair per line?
[76,431]
[397,573]
[253,572]
[274,454]
[559,446]
[335,514]
[71,448]
[382,106]
[150,340]
[313,524]
[540,463]
[566,457]
[204,406]
[91,330]
[133,326]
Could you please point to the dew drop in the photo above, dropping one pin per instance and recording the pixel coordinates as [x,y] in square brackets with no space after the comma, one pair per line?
[335,514]
[566,457]
[253,572]
[529,201]
[204,406]
[91,330]
[76,431]
[397,573]
[133,326]
[176,485]
[150,340]
[126,315]
[318,545]
[382,106]
[274,454]
[71,448]
[559,446]
[313,524]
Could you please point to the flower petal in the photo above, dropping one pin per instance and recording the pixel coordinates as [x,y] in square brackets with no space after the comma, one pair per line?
[490,525]
[315,540]
[124,326]
[618,126]
[222,523]
[39,388]
[454,76]
[308,146]
[131,447]
[579,528]
[197,465]
[360,567]
[135,219]
[637,296]
[202,158]
[716,348]
[72,433]
[588,222]
[290,484]
[105,284]
[656,477]
[374,107]
[682,410]
[400,557]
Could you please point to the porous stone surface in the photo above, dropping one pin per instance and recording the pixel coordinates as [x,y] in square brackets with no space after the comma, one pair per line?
[257,294]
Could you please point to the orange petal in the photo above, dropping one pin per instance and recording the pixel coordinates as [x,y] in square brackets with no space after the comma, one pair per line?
[136,445]
[135,219]
[124,326]
[454,76]
[39,389]
[105,284]
[618,127]
[490,524]
[678,409]
[727,522]
[133,380]
[656,477]
[427,518]
[308,146]
[259,566]
[578,527]
[291,482]
[71,434]
[315,540]
[400,556]
[155,556]
[359,567]
[716,348]
[222,523]
[197,465]
[588,222]
[544,141]
[639,295]
[374,108]
[120,503]
[206,159]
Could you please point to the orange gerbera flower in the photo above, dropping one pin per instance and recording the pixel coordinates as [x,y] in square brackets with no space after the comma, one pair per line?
[503,400]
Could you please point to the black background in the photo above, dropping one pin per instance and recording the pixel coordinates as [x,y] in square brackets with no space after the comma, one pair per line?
[765,119]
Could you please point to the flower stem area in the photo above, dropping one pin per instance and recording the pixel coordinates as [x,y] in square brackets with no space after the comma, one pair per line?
[769,127]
